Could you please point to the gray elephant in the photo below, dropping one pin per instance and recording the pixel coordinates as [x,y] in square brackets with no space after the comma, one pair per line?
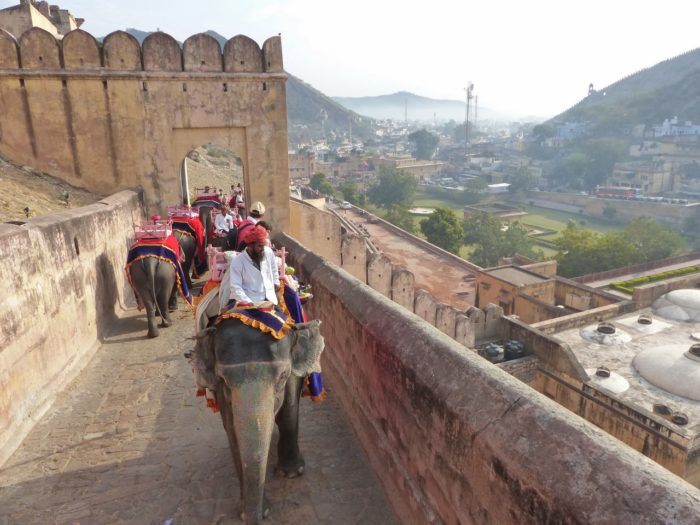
[257,382]
[188,246]
[155,284]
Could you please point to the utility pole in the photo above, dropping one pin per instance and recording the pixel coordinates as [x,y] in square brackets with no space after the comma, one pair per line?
[476,109]
[468,90]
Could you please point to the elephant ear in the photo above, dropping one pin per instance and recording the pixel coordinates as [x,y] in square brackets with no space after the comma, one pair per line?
[307,348]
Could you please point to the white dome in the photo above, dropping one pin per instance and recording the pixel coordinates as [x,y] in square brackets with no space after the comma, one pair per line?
[679,305]
[615,383]
[592,334]
[671,368]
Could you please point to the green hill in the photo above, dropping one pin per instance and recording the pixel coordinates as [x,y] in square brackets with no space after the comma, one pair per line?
[670,88]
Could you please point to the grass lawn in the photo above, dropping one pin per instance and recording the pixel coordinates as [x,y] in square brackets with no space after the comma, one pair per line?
[536,217]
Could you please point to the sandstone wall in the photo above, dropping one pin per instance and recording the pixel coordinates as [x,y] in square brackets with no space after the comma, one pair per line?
[64,277]
[115,115]
[456,440]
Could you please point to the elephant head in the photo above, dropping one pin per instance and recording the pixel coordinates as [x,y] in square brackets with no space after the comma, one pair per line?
[259,378]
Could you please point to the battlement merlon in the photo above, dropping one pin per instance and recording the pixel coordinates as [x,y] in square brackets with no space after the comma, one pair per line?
[37,49]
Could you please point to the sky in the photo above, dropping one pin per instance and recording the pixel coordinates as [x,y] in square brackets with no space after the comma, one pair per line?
[532,58]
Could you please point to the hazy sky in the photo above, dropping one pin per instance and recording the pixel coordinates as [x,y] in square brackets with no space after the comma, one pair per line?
[524,58]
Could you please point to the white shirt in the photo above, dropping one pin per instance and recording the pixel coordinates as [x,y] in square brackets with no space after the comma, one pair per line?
[223,223]
[250,285]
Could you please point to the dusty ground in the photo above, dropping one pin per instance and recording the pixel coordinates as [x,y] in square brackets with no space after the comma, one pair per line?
[22,186]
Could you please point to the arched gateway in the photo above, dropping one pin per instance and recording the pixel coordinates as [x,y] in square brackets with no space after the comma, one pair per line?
[119,115]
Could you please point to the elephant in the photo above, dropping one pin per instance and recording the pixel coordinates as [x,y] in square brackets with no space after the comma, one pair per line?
[155,283]
[188,246]
[257,382]
[207,222]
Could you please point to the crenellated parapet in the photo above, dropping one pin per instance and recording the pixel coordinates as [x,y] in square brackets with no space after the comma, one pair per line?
[116,114]
[38,49]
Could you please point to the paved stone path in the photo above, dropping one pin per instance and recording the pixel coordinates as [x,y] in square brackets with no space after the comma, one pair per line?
[129,443]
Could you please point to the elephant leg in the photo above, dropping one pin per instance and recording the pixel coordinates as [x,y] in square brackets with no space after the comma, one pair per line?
[290,461]
[165,281]
[172,302]
[151,316]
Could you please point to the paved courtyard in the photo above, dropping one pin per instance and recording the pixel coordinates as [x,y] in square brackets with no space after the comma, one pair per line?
[129,443]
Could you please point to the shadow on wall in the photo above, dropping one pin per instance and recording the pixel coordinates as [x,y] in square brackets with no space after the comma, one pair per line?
[106,295]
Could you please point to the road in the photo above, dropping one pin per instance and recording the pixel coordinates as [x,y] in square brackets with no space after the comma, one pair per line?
[128,442]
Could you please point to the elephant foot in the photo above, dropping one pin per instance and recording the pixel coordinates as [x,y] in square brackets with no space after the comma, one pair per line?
[165,323]
[292,468]
[153,333]
[265,513]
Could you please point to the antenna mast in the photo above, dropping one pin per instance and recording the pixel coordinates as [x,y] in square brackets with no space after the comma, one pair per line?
[468,89]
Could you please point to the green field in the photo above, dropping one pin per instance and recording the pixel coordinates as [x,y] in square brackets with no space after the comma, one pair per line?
[541,218]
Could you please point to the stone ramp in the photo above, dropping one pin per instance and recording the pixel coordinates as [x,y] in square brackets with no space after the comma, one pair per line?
[129,443]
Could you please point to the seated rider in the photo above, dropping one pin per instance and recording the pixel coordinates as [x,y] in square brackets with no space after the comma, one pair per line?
[254,277]
[224,227]
[257,211]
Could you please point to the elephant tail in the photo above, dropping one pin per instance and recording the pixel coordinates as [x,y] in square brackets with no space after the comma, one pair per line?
[151,269]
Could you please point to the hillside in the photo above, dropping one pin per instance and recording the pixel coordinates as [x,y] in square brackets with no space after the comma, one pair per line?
[400,105]
[24,187]
[667,89]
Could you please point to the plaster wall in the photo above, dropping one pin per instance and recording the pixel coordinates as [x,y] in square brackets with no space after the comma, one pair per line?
[416,400]
[117,115]
[317,229]
[61,302]
[645,295]
[353,256]
[379,273]
[425,306]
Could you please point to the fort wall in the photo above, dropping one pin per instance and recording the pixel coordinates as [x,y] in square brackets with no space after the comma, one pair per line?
[671,215]
[454,439]
[65,278]
[117,115]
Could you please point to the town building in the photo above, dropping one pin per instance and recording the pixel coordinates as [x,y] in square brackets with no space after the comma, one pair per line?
[650,177]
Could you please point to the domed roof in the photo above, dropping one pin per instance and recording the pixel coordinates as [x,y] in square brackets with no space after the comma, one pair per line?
[611,381]
[679,305]
[671,367]
[604,334]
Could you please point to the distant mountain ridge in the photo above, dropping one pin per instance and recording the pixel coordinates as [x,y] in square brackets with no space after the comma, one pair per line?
[667,89]
[402,105]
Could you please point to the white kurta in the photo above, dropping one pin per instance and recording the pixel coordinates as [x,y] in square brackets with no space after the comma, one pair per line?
[223,223]
[250,285]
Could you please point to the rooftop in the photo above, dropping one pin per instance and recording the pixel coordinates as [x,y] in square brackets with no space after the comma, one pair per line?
[516,276]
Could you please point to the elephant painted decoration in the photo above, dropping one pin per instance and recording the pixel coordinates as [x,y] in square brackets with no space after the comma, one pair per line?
[154,272]
[257,382]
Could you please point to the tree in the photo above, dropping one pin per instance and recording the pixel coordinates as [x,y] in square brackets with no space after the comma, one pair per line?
[393,188]
[443,229]
[492,241]
[350,193]
[424,142]
[399,216]
[651,240]
[320,183]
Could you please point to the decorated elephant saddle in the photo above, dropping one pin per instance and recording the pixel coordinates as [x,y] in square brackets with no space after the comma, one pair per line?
[269,320]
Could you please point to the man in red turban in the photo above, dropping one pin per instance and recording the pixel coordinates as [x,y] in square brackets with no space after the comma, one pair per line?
[254,278]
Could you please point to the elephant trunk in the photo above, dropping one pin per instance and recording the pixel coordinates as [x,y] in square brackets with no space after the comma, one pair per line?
[253,405]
